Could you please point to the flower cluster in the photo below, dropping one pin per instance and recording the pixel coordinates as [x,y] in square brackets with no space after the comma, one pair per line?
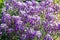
[25,20]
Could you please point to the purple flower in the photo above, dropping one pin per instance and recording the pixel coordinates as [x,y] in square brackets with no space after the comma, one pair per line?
[33,19]
[23,37]
[15,19]
[48,37]
[49,0]
[3,26]
[14,3]
[50,17]
[6,18]
[38,34]
[10,30]
[19,25]
[29,3]
[30,33]
[7,5]
[59,26]
[0,33]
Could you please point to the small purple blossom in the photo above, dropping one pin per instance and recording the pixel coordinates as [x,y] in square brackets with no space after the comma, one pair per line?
[48,37]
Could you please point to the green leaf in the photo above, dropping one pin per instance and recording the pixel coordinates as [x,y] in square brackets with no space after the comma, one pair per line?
[1,5]
[57,1]
[1,1]
[38,0]
[35,38]
[43,32]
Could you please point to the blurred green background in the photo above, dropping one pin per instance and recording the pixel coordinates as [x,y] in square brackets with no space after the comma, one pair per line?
[1,6]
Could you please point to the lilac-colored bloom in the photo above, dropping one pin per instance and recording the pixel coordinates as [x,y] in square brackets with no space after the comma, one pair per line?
[0,33]
[38,34]
[15,18]
[10,30]
[30,34]
[50,17]
[48,37]
[6,18]
[3,26]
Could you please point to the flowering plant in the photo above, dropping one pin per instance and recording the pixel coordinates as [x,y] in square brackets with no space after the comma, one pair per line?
[30,20]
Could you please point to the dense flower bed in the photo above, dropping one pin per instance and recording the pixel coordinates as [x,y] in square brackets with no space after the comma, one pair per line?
[30,20]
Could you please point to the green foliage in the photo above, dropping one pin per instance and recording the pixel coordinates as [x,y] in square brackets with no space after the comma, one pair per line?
[1,6]
[39,0]
[57,1]
[35,38]
[1,1]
